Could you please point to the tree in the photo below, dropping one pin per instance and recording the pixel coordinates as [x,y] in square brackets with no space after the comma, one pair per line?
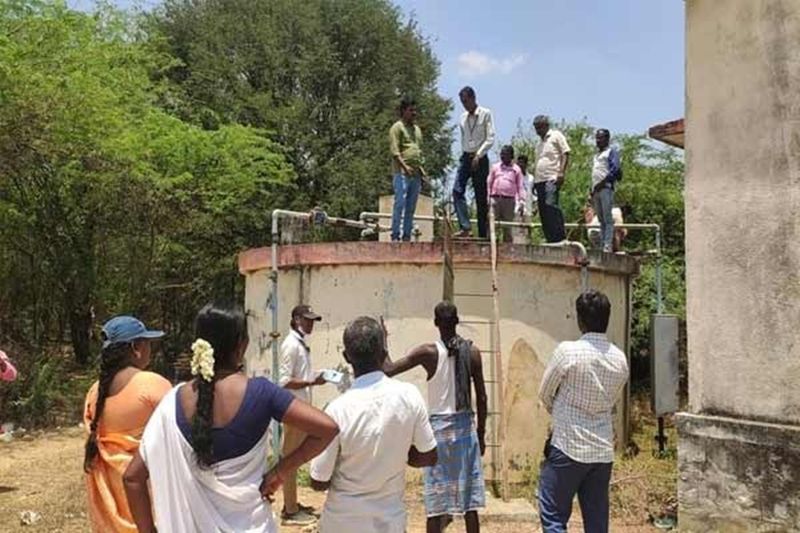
[326,79]
[103,195]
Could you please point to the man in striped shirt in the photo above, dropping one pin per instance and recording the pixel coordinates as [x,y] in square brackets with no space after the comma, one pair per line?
[580,386]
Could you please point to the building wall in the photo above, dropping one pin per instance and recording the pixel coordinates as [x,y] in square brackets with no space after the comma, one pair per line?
[743,265]
[742,200]
[537,309]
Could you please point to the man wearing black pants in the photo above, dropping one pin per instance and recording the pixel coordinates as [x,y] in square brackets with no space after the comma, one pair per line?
[552,159]
[477,137]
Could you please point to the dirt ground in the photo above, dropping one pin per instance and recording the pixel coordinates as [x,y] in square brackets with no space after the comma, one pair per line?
[42,473]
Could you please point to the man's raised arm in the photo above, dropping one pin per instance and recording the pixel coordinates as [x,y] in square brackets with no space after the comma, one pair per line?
[425,355]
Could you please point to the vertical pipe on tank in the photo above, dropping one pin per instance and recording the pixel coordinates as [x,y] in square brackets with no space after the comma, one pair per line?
[275,334]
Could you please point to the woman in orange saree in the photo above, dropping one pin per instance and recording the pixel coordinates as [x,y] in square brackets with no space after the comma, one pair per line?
[117,408]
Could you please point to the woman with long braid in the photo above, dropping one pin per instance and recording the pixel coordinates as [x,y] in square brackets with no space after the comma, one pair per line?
[204,450]
[117,408]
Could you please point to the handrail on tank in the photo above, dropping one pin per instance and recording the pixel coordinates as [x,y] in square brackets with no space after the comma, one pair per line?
[583,257]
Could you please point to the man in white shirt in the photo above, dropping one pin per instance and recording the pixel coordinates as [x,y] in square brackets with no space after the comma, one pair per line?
[296,375]
[523,235]
[552,160]
[477,137]
[606,172]
[582,382]
[383,425]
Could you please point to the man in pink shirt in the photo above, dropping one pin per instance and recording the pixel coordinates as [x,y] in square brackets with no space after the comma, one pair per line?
[506,188]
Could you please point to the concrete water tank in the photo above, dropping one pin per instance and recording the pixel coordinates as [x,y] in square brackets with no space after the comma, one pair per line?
[403,283]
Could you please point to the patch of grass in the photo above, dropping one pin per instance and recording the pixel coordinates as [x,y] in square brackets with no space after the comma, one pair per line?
[644,483]
[303,477]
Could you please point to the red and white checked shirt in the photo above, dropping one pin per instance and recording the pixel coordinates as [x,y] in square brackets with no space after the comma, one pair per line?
[579,388]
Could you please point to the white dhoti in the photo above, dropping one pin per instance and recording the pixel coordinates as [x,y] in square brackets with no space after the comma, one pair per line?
[188,498]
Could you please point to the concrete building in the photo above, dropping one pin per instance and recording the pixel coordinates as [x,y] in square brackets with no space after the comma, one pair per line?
[403,282]
[739,451]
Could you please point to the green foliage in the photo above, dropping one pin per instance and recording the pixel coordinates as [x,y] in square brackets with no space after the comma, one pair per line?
[41,394]
[326,79]
[108,203]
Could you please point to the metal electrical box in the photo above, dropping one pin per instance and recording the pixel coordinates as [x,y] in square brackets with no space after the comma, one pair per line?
[664,373]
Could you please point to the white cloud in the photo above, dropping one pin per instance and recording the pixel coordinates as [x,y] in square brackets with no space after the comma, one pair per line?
[474,63]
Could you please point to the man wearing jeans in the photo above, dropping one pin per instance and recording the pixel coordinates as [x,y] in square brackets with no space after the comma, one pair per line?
[405,144]
[477,137]
[606,170]
[552,160]
[581,383]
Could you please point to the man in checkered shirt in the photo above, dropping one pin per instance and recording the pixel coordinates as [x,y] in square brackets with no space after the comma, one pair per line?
[582,382]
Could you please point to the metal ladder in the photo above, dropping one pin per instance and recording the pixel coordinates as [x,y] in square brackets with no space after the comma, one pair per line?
[495,441]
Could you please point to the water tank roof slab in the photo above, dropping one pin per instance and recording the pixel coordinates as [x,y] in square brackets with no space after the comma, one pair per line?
[376,253]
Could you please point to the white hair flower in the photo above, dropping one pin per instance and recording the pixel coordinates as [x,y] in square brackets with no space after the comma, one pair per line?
[202,359]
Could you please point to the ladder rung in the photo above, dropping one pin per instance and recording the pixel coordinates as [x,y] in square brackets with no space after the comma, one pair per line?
[486,322]
[477,269]
[473,295]
[492,445]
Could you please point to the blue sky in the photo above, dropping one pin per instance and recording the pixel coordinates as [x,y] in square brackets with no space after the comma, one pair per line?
[616,63]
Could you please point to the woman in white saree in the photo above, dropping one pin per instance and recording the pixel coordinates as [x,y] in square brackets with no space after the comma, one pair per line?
[204,449]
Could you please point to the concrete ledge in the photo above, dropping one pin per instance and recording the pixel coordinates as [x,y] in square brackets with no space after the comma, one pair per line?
[737,475]
[514,511]
[371,252]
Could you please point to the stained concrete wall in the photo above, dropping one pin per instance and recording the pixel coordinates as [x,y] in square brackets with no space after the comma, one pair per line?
[743,264]
[742,200]
[403,283]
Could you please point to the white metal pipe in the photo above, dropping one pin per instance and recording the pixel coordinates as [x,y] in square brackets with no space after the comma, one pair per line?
[277,214]
[368,215]
[272,304]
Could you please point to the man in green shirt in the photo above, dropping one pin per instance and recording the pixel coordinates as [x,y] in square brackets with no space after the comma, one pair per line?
[405,141]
